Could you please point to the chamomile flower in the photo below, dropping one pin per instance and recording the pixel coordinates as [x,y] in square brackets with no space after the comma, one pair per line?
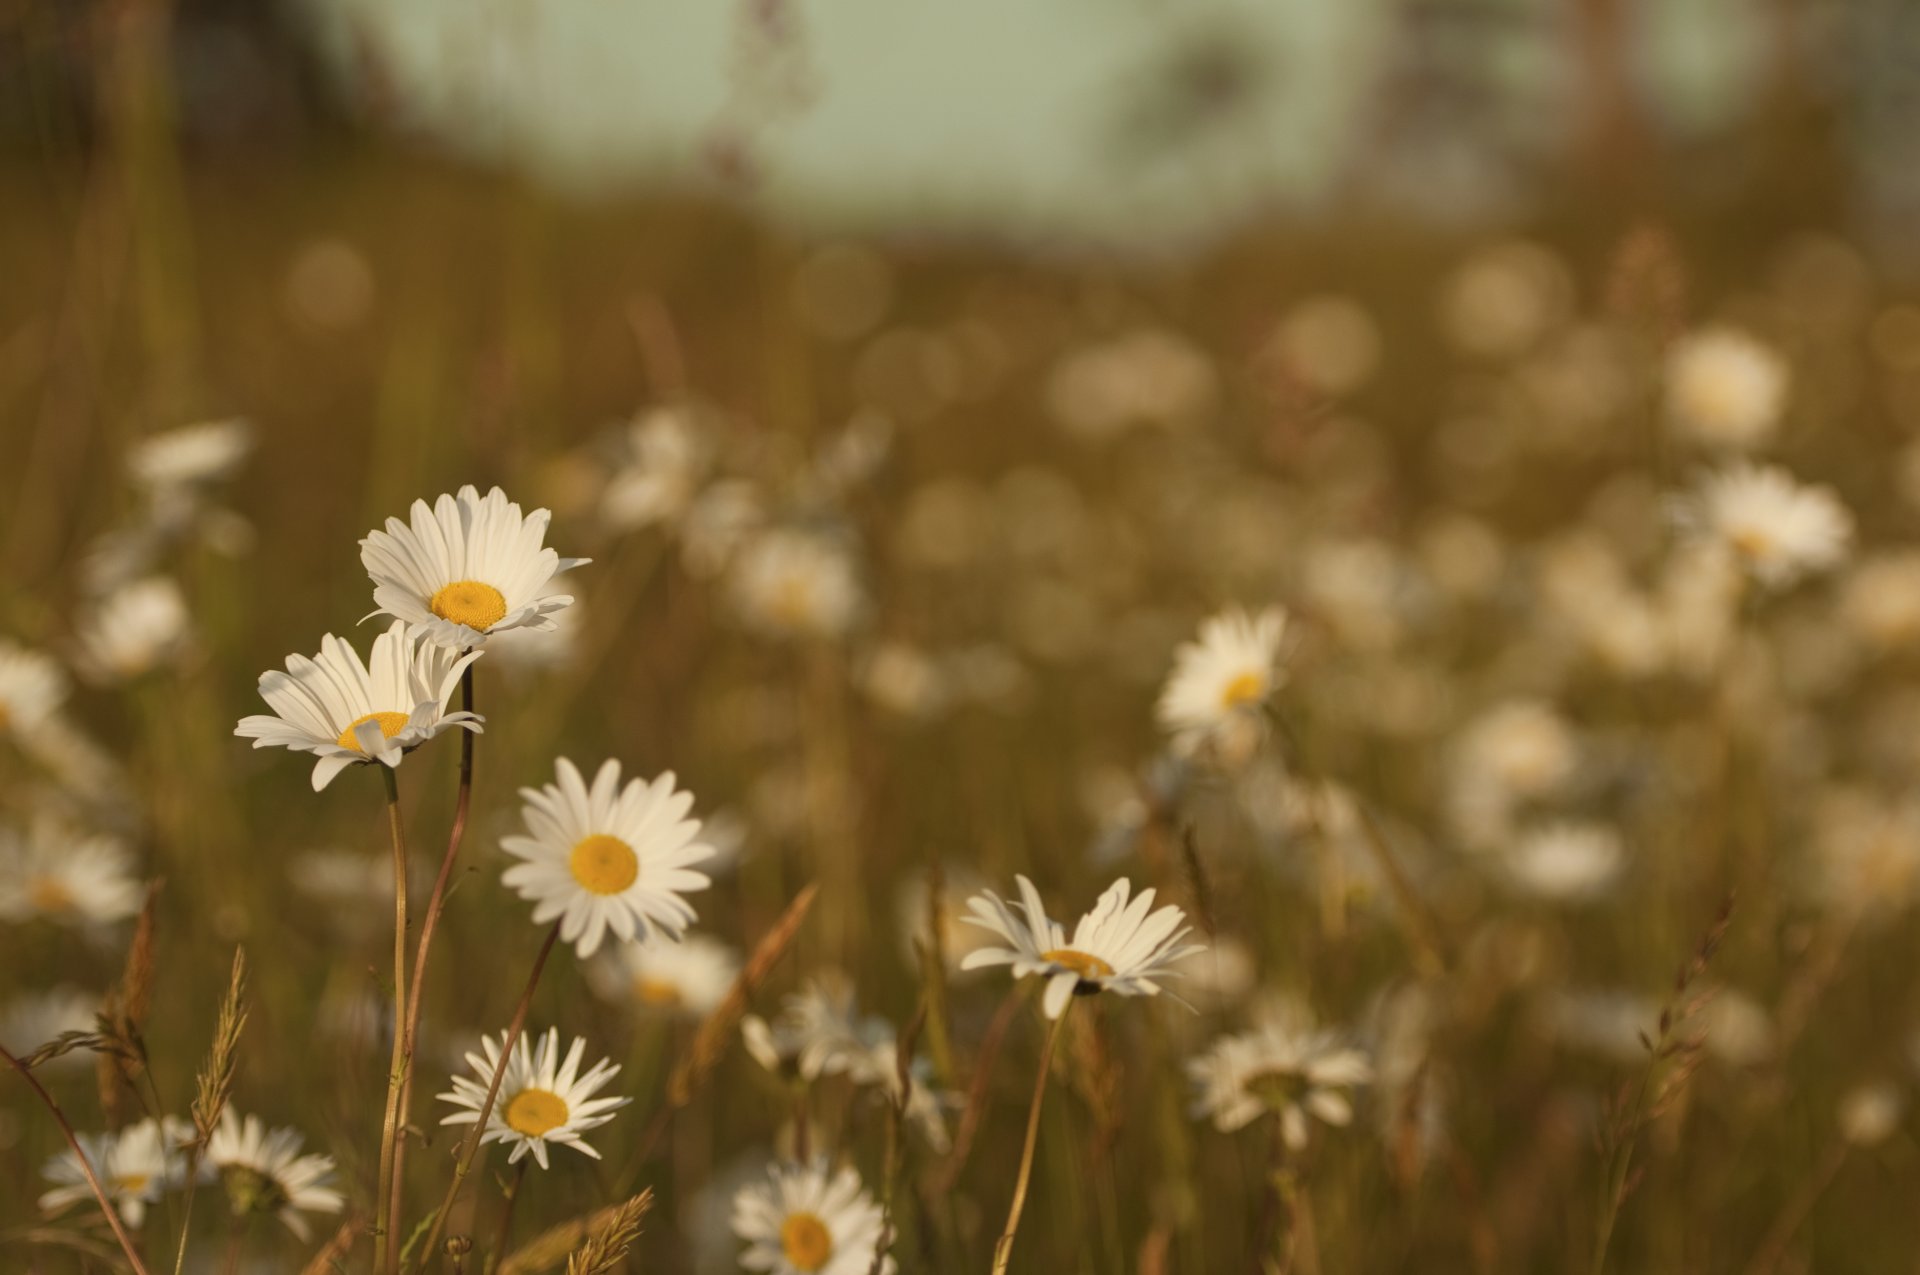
[39,1018]
[32,687]
[1777,528]
[690,977]
[804,1221]
[134,629]
[664,457]
[1220,682]
[192,456]
[1284,1067]
[345,712]
[64,875]
[135,1166]
[1724,388]
[1117,947]
[544,1099]
[608,858]
[264,1172]
[812,1029]
[466,567]
[1566,862]
[789,582]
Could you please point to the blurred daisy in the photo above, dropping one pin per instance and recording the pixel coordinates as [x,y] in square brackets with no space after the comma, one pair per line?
[1220,682]
[466,567]
[1724,388]
[793,583]
[135,1166]
[543,1098]
[264,1172]
[67,876]
[32,687]
[690,977]
[1284,1067]
[1117,947]
[1566,862]
[191,456]
[607,858]
[1777,528]
[801,1221]
[133,630]
[345,712]
[663,459]
[813,1030]
[39,1018]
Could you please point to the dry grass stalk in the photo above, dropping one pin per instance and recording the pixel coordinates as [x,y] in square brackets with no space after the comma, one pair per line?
[896,1119]
[977,1092]
[557,1244]
[214,1086]
[1647,282]
[1096,1075]
[332,1255]
[607,1244]
[123,1016]
[1198,883]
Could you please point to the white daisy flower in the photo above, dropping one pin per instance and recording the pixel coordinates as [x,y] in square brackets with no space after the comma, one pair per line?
[793,583]
[466,567]
[345,712]
[690,977]
[664,456]
[1724,388]
[1220,682]
[191,456]
[38,1018]
[543,1098]
[32,687]
[68,876]
[1285,1067]
[1117,947]
[135,1166]
[811,1029]
[264,1172]
[1566,862]
[1777,528]
[801,1221]
[611,857]
[133,630]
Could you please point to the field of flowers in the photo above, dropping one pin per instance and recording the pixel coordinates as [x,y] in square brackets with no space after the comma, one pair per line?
[538,737]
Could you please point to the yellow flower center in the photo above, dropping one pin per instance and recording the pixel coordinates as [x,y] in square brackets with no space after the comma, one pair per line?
[657,991]
[1244,689]
[1753,542]
[50,894]
[391,724]
[806,1241]
[1085,964]
[469,602]
[603,864]
[793,601]
[132,1183]
[534,1112]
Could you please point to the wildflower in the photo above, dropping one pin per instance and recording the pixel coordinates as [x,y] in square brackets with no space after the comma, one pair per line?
[134,629]
[801,1221]
[32,688]
[38,1018]
[347,713]
[1284,1067]
[663,459]
[1775,527]
[608,858]
[1220,682]
[689,977]
[264,1172]
[1869,1113]
[466,567]
[1117,947]
[64,875]
[793,583]
[543,1098]
[135,1166]
[1724,388]
[190,457]
[1565,862]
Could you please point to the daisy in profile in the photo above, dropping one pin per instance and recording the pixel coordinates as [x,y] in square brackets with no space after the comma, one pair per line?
[1213,697]
[1777,528]
[67,876]
[1118,947]
[264,1172]
[608,858]
[32,688]
[1285,1068]
[135,1166]
[1724,388]
[466,567]
[346,713]
[690,977]
[804,1221]
[544,1099]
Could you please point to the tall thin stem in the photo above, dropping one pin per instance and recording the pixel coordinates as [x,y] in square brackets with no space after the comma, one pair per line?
[498,1250]
[386,1220]
[428,923]
[470,1146]
[86,1167]
[1003,1251]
